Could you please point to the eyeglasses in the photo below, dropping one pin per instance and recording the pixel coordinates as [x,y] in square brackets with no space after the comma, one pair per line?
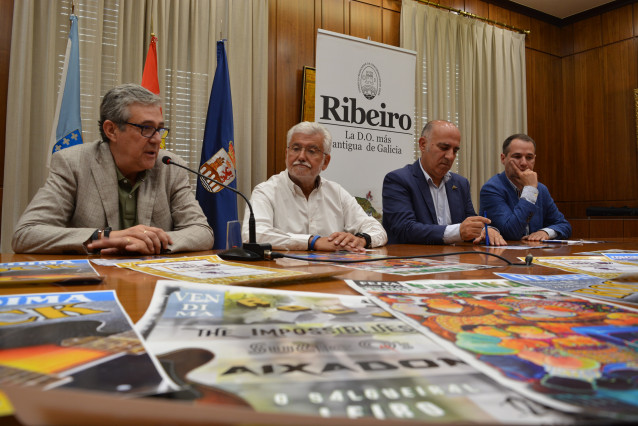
[312,151]
[149,131]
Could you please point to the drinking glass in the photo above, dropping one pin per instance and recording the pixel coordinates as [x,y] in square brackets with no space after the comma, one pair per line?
[233,234]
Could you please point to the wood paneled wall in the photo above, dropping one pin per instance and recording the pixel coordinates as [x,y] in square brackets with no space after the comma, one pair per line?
[598,139]
[293,26]
[580,82]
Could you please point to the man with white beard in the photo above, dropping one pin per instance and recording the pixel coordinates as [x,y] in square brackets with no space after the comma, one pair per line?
[298,210]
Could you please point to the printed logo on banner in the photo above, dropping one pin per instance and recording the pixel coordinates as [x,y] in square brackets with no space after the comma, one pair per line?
[348,110]
[369,81]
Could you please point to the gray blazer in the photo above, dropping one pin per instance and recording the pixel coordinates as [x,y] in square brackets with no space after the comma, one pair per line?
[80,196]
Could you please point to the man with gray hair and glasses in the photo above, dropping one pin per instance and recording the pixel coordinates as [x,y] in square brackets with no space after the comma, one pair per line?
[114,195]
[298,210]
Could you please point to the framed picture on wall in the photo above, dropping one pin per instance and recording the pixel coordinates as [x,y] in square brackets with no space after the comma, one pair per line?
[308,94]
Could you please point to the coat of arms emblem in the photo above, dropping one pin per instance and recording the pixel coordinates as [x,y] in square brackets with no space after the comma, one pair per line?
[220,167]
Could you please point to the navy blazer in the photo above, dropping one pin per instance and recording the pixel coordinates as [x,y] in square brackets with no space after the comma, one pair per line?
[409,216]
[511,214]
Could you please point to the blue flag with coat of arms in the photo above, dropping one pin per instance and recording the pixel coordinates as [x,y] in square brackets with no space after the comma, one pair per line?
[218,155]
[67,124]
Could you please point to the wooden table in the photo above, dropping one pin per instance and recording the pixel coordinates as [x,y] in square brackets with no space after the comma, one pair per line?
[135,289]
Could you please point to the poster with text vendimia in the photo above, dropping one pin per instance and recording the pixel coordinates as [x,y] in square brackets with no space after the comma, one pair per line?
[365,97]
[327,355]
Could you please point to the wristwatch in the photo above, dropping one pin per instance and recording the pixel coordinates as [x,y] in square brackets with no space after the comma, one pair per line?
[106,232]
[96,235]
[365,237]
[99,233]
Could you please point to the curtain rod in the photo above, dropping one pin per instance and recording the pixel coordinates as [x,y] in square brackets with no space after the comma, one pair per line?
[471,15]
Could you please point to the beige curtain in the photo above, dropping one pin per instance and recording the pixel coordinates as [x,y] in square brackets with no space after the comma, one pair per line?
[472,74]
[114,38]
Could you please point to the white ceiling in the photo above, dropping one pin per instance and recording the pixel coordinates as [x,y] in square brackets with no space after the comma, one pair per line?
[562,8]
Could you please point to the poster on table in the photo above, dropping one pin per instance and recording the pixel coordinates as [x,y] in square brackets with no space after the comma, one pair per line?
[327,355]
[407,267]
[48,271]
[597,266]
[570,353]
[388,265]
[370,288]
[627,258]
[365,97]
[75,340]
[619,289]
[213,270]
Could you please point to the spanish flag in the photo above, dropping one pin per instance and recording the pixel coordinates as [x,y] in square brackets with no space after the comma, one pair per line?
[150,79]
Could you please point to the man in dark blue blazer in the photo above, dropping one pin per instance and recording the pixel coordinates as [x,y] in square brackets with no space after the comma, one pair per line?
[424,203]
[518,204]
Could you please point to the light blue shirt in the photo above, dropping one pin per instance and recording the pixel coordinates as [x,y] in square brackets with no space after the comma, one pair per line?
[530,194]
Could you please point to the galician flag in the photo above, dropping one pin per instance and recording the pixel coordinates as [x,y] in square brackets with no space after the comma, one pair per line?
[218,155]
[67,124]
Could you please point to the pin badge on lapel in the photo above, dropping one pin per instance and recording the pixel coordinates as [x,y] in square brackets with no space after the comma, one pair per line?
[453,187]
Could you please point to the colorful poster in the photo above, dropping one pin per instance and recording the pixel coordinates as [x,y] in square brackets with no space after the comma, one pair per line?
[325,355]
[569,353]
[48,271]
[599,252]
[77,340]
[619,289]
[334,256]
[417,266]
[211,269]
[388,265]
[627,258]
[598,266]
[370,287]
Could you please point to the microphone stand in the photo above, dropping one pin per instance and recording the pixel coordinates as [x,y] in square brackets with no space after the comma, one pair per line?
[252,250]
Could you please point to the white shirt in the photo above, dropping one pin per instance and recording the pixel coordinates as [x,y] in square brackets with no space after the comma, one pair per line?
[452,233]
[286,220]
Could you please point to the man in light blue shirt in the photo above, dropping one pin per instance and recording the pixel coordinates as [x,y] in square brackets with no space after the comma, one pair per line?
[518,204]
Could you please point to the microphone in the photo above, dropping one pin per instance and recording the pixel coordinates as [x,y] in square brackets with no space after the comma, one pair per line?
[252,250]
[528,259]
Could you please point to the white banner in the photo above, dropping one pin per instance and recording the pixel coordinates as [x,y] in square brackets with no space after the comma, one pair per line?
[364,95]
